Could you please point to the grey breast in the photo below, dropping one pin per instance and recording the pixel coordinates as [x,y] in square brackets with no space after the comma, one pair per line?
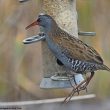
[56,50]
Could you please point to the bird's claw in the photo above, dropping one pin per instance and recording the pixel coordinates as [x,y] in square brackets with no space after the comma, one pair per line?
[76,89]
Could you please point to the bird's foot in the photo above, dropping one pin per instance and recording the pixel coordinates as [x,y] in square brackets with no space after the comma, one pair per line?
[84,86]
[68,98]
[76,89]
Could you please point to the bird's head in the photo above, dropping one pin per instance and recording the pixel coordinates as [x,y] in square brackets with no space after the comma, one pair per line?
[43,20]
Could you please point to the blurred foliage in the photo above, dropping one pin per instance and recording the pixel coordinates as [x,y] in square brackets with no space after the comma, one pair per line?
[21,65]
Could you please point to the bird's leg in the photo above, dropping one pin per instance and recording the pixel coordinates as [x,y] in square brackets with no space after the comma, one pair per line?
[85,82]
[91,76]
[68,98]
[86,89]
[77,89]
[88,80]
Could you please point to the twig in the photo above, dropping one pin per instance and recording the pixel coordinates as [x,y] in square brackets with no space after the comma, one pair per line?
[46,101]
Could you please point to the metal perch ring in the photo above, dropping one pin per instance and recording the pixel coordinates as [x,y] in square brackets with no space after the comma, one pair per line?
[39,37]
[86,33]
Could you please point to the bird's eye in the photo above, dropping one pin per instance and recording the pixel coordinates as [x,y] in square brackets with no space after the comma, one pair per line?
[38,20]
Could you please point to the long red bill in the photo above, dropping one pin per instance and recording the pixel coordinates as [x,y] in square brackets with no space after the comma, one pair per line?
[33,24]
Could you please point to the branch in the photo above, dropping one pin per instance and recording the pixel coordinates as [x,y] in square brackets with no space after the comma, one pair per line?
[46,101]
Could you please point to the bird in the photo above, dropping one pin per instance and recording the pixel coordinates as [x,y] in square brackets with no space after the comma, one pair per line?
[70,51]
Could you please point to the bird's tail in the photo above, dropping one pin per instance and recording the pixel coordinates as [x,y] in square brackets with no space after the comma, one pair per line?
[104,67]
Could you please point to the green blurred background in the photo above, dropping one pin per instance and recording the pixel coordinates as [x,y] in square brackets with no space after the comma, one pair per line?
[21,65]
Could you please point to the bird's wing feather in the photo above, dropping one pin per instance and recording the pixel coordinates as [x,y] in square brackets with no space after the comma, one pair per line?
[75,48]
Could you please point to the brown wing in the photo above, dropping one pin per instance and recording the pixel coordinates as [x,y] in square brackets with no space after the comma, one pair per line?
[75,48]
